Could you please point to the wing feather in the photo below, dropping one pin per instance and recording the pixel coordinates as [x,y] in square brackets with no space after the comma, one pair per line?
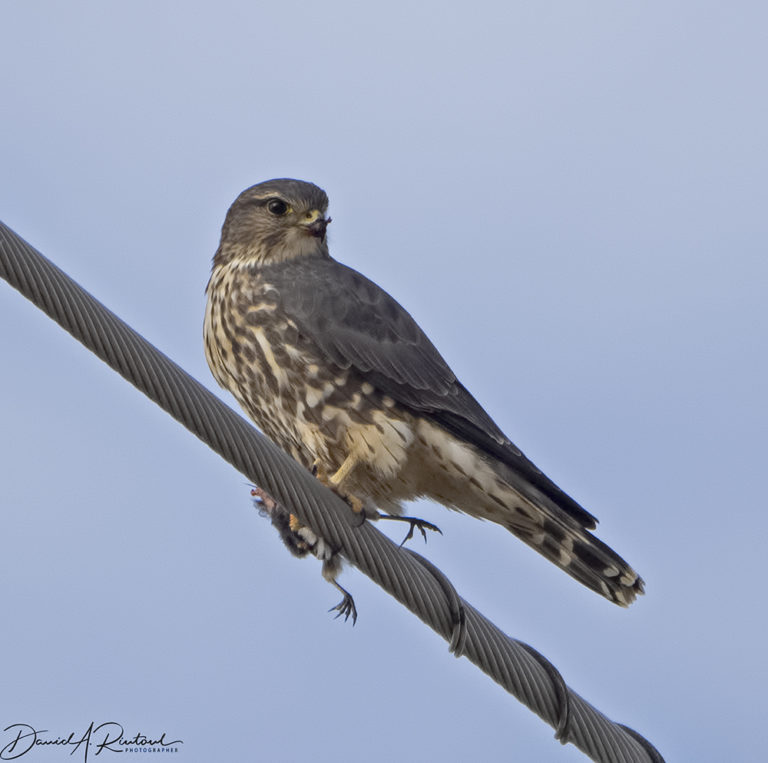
[357,325]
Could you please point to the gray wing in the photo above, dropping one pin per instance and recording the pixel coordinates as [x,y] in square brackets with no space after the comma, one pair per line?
[357,325]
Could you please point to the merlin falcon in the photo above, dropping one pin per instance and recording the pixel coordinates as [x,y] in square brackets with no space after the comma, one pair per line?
[333,370]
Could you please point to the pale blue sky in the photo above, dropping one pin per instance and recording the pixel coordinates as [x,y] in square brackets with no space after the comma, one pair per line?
[569,197]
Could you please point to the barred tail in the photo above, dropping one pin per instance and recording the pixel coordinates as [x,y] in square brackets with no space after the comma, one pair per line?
[584,557]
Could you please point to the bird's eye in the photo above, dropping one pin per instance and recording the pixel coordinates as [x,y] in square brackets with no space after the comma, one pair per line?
[277,207]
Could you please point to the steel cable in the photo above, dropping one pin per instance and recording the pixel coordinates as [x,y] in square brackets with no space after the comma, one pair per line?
[413,581]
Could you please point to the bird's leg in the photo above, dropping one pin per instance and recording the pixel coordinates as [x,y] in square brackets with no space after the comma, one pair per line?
[350,462]
[415,523]
[333,481]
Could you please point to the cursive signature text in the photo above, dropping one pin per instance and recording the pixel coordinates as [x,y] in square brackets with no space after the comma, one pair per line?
[106,736]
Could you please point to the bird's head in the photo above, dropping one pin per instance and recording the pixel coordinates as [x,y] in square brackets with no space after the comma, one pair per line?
[274,221]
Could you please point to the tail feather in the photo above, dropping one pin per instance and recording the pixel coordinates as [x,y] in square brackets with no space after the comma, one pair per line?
[585,558]
[566,541]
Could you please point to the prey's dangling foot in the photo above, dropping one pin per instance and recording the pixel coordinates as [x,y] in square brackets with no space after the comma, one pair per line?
[301,541]
[415,523]
[346,607]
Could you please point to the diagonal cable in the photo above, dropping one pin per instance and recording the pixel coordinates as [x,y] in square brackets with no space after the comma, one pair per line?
[413,581]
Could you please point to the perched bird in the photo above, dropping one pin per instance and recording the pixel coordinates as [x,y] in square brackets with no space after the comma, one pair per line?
[339,375]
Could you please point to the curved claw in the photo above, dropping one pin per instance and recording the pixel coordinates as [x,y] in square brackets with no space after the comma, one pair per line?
[414,523]
[346,607]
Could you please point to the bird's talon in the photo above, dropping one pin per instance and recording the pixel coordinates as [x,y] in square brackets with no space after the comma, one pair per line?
[355,503]
[414,523]
[409,536]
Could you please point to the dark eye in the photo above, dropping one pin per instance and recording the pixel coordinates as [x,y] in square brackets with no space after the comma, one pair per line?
[277,207]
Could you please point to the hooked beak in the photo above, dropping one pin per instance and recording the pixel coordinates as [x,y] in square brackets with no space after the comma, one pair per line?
[316,224]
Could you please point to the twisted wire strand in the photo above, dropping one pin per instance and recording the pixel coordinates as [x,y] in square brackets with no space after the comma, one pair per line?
[413,581]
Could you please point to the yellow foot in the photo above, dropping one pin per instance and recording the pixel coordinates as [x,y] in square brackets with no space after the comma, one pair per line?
[352,501]
[319,471]
[333,481]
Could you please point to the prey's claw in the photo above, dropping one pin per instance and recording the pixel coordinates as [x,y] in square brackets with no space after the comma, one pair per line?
[346,607]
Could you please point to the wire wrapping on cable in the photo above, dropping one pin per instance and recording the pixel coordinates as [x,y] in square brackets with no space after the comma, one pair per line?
[418,585]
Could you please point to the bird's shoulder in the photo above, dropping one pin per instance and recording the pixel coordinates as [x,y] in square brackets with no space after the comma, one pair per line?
[355,324]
